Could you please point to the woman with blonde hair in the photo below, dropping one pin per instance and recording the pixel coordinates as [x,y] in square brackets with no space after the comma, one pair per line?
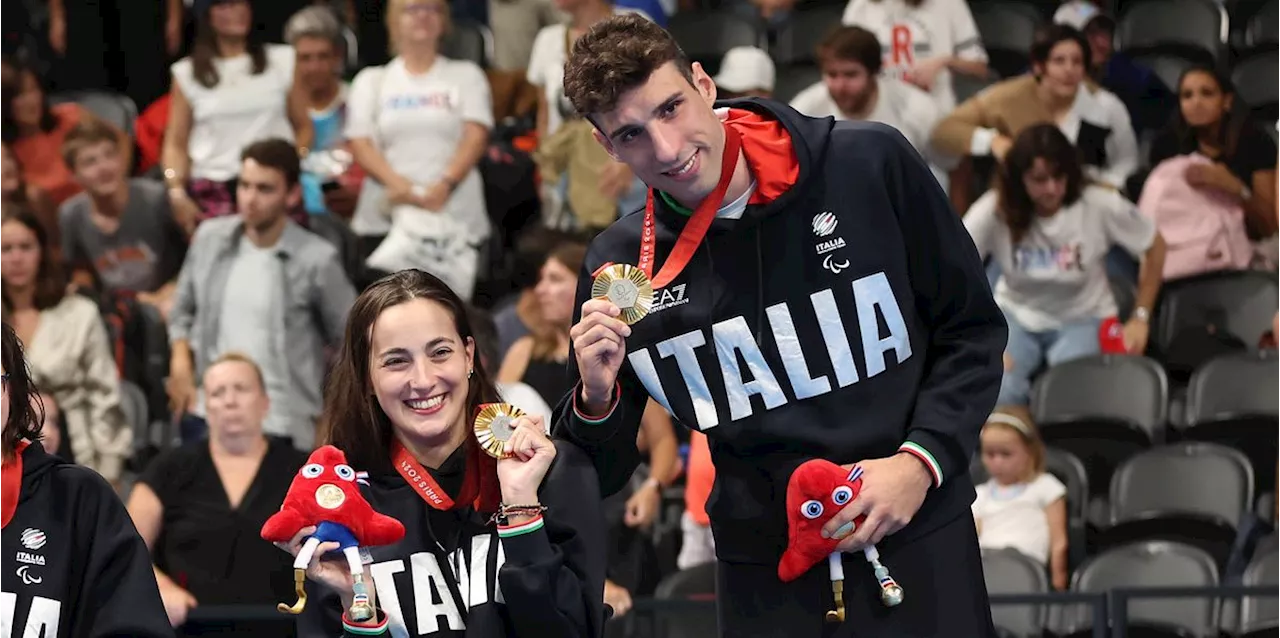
[418,126]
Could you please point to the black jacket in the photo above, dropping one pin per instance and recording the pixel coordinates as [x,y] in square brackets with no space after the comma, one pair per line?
[547,583]
[73,561]
[846,319]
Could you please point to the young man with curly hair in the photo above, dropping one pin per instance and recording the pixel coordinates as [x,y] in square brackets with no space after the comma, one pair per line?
[814,297]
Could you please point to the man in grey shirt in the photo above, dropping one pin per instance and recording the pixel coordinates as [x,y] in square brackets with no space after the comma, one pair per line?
[258,284]
[119,234]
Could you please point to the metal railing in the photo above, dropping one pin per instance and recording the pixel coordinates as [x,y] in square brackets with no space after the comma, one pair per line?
[1110,609]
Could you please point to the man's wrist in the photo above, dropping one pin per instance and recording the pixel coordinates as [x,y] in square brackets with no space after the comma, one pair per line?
[925,459]
[596,404]
[922,469]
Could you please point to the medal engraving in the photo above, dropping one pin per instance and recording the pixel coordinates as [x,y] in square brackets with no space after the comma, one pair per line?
[330,496]
[495,424]
[626,287]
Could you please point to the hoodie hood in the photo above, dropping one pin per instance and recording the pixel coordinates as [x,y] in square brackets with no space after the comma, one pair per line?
[781,148]
[32,463]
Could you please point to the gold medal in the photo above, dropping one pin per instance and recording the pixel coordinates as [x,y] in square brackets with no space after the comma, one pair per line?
[494,426]
[330,497]
[626,287]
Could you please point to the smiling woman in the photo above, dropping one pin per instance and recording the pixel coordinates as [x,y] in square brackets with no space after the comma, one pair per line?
[402,399]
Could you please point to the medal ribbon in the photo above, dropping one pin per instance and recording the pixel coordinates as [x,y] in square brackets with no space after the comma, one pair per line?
[696,228]
[426,486]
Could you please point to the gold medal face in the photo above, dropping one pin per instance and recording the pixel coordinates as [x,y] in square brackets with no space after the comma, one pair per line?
[626,287]
[494,427]
[330,496]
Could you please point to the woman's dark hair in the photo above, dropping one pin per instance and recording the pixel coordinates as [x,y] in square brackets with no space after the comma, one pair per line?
[51,284]
[1050,36]
[205,49]
[26,412]
[1042,141]
[571,254]
[1234,121]
[355,422]
[20,197]
[15,74]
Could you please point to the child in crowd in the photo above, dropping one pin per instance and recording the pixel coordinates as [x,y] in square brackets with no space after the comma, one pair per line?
[1021,506]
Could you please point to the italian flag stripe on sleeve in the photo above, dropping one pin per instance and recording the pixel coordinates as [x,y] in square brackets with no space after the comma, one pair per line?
[925,457]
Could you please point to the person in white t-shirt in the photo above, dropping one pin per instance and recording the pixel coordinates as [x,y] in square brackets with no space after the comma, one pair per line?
[923,41]
[230,92]
[1049,232]
[546,71]
[418,126]
[1021,506]
[853,88]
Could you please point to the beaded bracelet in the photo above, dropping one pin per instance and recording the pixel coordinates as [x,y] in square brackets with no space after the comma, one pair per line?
[505,512]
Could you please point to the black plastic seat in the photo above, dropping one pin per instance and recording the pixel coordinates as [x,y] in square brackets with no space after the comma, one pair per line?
[705,36]
[1233,400]
[1190,492]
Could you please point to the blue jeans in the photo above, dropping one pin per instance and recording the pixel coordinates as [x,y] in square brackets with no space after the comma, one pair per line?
[1033,350]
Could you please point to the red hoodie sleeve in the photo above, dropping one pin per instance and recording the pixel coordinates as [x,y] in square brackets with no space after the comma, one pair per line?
[967,331]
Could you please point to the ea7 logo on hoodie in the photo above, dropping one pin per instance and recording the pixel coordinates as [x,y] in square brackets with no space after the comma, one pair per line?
[734,344]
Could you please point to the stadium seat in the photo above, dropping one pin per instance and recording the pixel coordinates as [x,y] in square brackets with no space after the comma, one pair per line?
[1255,79]
[1238,303]
[113,108]
[1263,28]
[133,402]
[794,79]
[1232,400]
[1007,28]
[693,584]
[156,367]
[1008,571]
[797,40]
[1194,29]
[468,40]
[705,36]
[1260,616]
[1148,564]
[1102,409]
[339,234]
[1190,492]
[1168,67]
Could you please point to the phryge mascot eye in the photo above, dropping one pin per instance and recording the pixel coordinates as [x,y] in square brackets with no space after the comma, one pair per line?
[817,491]
[325,494]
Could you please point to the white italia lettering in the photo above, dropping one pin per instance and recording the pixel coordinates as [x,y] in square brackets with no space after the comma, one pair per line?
[429,585]
[682,347]
[384,583]
[731,337]
[734,344]
[869,293]
[642,364]
[42,619]
[784,334]
[497,587]
[833,334]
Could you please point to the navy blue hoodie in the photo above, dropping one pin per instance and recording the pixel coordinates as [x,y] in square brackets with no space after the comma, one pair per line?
[74,565]
[844,316]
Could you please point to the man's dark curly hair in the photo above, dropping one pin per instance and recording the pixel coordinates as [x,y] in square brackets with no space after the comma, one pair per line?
[615,56]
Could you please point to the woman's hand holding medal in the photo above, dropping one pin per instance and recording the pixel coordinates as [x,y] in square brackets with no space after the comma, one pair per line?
[521,445]
[526,457]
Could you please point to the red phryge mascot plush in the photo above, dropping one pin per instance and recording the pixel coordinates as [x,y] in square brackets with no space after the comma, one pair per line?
[817,490]
[325,494]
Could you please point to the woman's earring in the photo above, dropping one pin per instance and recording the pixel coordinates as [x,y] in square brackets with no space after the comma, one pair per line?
[471,372]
